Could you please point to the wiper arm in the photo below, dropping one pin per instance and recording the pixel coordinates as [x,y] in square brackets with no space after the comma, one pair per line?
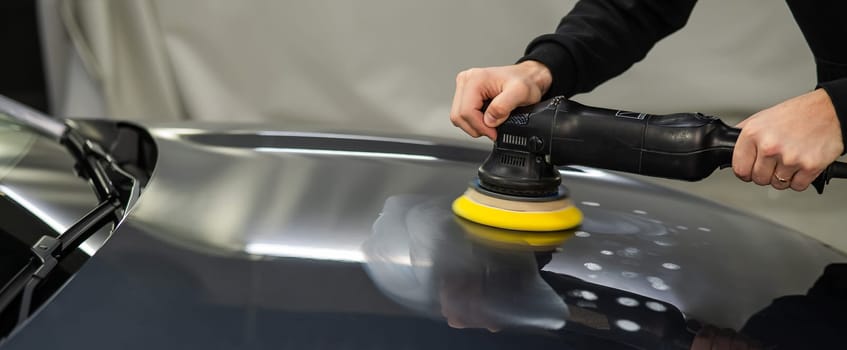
[108,179]
[49,251]
[40,122]
[116,190]
[110,184]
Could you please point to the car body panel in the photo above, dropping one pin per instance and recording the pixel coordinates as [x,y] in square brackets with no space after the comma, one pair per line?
[254,239]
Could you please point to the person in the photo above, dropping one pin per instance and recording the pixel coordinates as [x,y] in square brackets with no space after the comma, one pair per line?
[785,146]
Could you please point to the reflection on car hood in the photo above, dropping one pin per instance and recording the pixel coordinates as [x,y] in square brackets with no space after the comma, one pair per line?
[248,239]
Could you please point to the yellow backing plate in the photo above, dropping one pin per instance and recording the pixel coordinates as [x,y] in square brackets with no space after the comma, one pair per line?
[539,221]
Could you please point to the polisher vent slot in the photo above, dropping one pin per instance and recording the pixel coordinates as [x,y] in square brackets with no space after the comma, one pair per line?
[508,159]
[518,119]
[514,140]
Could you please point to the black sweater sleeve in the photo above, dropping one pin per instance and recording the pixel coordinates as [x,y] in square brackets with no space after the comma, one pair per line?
[600,39]
[825,29]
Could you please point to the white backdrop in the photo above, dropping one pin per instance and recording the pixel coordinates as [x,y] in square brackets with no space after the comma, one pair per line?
[390,65]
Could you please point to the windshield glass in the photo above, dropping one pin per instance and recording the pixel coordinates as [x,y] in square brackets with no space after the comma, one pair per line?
[15,140]
[37,174]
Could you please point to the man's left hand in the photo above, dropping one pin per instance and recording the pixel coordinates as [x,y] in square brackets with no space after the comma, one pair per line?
[790,144]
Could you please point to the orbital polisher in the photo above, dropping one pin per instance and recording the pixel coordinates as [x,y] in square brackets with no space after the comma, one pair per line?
[519,187]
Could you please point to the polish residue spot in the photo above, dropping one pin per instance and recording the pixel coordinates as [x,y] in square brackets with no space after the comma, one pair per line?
[627,325]
[704,229]
[606,252]
[626,301]
[655,280]
[639,212]
[670,266]
[661,287]
[593,266]
[655,306]
[629,274]
[582,234]
[591,204]
[630,252]
[657,283]
[663,243]
[588,295]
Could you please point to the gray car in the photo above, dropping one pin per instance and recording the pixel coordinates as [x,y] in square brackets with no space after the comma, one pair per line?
[123,236]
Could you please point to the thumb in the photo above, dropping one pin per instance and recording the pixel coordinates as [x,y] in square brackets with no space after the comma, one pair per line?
[500,107]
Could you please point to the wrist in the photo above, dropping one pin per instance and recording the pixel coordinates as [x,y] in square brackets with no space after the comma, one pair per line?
[538,74]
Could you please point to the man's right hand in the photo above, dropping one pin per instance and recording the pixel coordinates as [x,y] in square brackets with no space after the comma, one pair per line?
[508,87]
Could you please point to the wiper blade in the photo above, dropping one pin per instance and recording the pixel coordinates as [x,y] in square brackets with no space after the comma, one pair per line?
[116,190]
[49,251]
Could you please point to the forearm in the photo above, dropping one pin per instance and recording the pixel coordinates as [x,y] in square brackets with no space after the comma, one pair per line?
[822,25]
[600,39]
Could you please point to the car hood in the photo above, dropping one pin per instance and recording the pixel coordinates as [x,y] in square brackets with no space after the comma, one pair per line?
[275,238]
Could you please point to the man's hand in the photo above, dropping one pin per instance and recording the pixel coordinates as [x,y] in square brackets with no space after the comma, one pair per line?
[790,144]
[508,87]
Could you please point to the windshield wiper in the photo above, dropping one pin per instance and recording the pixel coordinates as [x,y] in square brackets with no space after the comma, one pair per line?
[116,190]
[49,251]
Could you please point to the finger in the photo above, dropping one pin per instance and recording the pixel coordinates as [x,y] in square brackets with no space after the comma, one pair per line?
[465,111]
[743,158]
[456,117]
[763,169]
[483,129]
[784,173]
[803,178]
[503,104]
[467,128]
[471,103]
[456,107]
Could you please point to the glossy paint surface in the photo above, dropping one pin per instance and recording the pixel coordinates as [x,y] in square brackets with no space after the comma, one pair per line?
[278,239]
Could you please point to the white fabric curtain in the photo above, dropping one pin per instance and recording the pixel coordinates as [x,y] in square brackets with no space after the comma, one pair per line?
[390,65]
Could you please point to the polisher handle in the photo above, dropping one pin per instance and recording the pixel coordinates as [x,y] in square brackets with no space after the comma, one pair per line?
[834,170]
[685,146]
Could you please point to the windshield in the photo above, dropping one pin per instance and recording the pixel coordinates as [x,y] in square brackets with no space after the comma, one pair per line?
[15,141]
[38,174]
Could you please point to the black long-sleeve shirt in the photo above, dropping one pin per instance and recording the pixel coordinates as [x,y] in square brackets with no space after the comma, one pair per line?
[600,39]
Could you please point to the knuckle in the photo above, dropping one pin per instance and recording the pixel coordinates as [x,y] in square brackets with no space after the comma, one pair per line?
[769,149]
[790,160]
[454,121]
[749,131]
[463,75]
[497,110]
[474,72]
[741,174]
[809,165]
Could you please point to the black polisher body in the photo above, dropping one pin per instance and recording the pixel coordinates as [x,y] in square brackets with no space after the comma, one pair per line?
[535,139]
